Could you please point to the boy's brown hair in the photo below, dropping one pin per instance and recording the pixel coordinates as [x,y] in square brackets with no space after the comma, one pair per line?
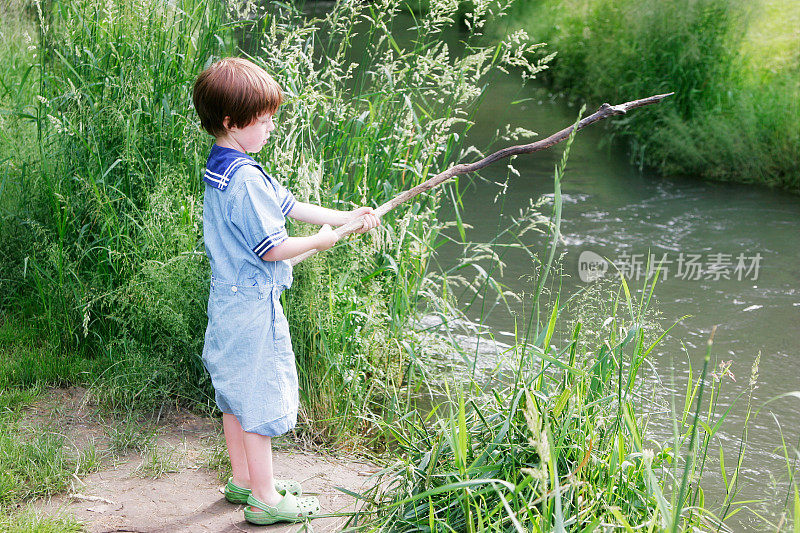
[234,88]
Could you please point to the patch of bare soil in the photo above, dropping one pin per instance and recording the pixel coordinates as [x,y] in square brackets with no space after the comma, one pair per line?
[169,488]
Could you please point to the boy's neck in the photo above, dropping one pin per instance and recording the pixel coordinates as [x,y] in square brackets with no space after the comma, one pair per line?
[227,142]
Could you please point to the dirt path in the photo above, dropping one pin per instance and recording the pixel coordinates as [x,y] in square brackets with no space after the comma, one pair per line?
[168,485]
[127,502]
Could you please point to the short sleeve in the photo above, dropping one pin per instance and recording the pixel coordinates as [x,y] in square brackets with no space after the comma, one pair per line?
[258,213]
[285,198]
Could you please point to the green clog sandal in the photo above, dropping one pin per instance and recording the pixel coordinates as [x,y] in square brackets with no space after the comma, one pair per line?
[289,509]
[236,494]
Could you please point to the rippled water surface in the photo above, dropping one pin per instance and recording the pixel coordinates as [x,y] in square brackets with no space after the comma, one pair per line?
[613,209]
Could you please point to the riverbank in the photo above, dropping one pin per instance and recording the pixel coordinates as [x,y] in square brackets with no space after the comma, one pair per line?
[105,282]
[621,213]
[159,474]
[733,67]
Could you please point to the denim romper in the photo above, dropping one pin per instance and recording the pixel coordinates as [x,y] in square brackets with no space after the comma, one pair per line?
[247,349]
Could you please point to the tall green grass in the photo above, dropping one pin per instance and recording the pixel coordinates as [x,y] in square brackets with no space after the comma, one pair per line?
[103,263]
[373,109]
[733,66]
[100,226]
[101,229]
[565,440]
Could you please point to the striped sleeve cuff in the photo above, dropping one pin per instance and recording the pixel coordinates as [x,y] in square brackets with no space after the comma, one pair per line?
[270,241]
[287,204]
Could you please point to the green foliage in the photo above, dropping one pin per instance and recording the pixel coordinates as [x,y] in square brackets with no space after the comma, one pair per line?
[215,458]
[102,260]
[31,464]
[129,435]
[366,131]
[90,459]
[158,462]
[735,110]
[34,462]
[29,521]
[28,360]
[101,230]
[13,400]
[563,440]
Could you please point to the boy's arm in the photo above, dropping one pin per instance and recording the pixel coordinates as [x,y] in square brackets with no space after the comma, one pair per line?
[293,246]
[326,237]
[316,214]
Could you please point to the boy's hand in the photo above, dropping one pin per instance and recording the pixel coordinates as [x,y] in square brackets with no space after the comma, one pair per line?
[326,237]
[371,220]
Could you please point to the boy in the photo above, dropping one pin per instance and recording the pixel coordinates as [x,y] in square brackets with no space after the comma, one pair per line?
[247,350]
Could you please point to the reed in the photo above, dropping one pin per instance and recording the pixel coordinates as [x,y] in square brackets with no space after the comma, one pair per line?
[567,440]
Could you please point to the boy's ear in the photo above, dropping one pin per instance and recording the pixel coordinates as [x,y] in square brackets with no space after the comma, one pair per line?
[226,122]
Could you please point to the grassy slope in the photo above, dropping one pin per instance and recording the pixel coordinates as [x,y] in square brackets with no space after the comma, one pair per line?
[733,66]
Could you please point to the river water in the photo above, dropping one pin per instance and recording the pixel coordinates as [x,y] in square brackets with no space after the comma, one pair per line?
[730,258]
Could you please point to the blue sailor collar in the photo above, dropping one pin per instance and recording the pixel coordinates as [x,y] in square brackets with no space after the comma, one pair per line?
[223,163]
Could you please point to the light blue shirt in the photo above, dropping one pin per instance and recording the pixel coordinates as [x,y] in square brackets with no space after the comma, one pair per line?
[244,216]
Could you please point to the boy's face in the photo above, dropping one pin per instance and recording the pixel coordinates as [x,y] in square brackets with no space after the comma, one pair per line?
[252,138]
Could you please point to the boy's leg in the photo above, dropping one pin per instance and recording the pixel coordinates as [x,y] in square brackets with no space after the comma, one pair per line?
[234,439]
[258,449]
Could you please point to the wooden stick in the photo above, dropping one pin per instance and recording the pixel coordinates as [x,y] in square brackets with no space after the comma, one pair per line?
[604,111]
